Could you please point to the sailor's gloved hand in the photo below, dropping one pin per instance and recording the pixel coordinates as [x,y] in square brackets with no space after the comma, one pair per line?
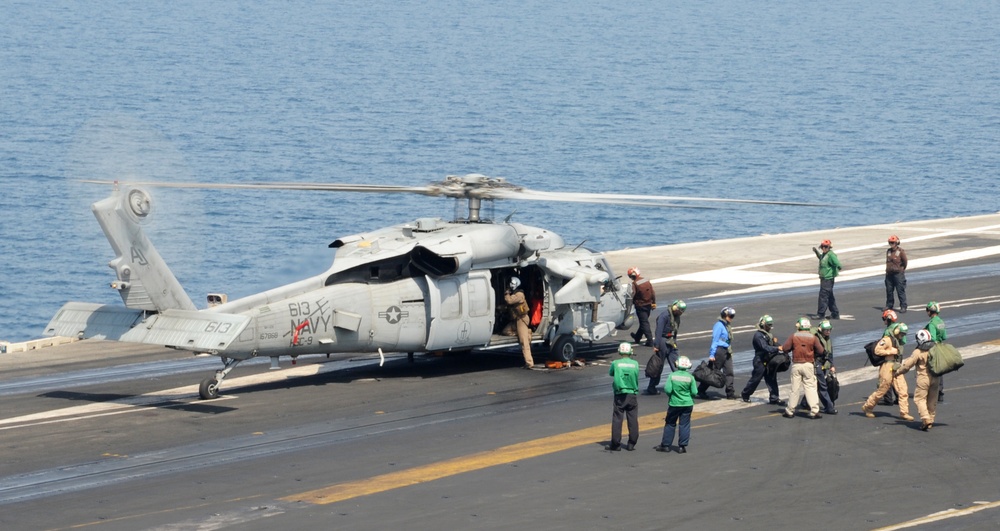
[654,305]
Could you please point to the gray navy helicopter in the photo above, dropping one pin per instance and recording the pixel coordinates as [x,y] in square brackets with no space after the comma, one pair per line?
[424,286]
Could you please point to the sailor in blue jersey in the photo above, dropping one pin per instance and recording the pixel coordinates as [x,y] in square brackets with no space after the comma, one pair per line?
[720,354]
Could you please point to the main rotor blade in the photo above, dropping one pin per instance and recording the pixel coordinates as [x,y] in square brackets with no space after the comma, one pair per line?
[652,200]
[316,187]
[478,187]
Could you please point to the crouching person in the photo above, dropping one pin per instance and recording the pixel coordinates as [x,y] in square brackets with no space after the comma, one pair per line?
[926,394]
[680,387]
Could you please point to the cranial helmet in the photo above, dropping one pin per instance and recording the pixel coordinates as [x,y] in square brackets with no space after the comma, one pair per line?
[803,323]
[889,315]
[625,349]
[515,283]
[826,243]
[678,305]
[900,329]
[765,320]
[923,336]
[893,239]
[683,362]
[633,272]
[825,325]
[728,311]
[933,307]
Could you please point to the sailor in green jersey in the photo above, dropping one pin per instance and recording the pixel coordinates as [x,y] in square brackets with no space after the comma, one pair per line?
[680,386]
[625,371]
[938,334]
[829,268]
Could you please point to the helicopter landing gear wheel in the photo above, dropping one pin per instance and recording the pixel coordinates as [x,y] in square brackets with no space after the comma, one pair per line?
[209,389]
[563,349]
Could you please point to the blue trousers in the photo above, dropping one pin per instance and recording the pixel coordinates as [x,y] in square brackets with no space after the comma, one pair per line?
[759,373]
[675,413]
[895,282]
[826,299]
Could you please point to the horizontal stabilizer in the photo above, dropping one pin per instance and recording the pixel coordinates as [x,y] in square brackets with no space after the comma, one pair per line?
[189,330]
[85,320]
[184,329]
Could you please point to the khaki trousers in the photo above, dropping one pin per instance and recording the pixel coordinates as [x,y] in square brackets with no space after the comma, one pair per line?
[803,380]
[898,383]
[926,396]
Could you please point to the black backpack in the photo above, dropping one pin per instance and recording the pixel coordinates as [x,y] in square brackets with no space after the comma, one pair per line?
[654,366]
[779,362]
[874,358]
[832,386]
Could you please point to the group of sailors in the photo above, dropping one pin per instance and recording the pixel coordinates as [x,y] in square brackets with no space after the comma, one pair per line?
[807,354]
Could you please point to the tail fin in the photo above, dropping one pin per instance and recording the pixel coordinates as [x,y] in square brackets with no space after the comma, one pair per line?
[144,281]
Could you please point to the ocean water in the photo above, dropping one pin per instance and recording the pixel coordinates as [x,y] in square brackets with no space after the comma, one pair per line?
[890,110]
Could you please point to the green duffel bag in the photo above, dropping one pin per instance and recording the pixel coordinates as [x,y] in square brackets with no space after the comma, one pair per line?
[943,359]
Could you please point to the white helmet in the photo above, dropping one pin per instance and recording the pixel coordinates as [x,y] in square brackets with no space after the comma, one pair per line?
[683,362]
[923,336]
[625,349]
[514,283]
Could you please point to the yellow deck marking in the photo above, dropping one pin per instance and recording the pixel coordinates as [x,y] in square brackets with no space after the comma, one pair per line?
[468,463]
[943,515]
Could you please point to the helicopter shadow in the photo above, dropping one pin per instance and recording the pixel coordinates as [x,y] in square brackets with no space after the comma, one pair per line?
[426,367]
[97,398]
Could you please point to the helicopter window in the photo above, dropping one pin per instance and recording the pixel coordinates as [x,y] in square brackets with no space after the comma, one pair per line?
[479,297]
[451,302]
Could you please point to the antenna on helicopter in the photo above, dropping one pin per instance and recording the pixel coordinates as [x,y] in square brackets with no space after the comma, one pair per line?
[509,216]
[579,245]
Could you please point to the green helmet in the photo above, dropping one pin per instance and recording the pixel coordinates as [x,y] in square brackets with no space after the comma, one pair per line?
[900,329]
[678,305]
[803,323]
[765,320]
[933,307]
[825,325]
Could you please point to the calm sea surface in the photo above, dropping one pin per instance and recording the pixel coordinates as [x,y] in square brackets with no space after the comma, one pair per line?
[889,108]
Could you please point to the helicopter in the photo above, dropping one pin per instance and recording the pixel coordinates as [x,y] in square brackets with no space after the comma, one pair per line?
[427,285]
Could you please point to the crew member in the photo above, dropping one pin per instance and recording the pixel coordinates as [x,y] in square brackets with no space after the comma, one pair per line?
[665,345]
[518,306]
[765,345]
[938,334]
[644,300]
[890,347]
[626,388]
[895,274]
[829,268]
[805,348]
[720,353]
[925,395]
[889,318]
[824,364]
[679,387]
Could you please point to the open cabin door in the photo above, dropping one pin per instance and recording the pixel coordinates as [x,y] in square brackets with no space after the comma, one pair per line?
[462,311]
